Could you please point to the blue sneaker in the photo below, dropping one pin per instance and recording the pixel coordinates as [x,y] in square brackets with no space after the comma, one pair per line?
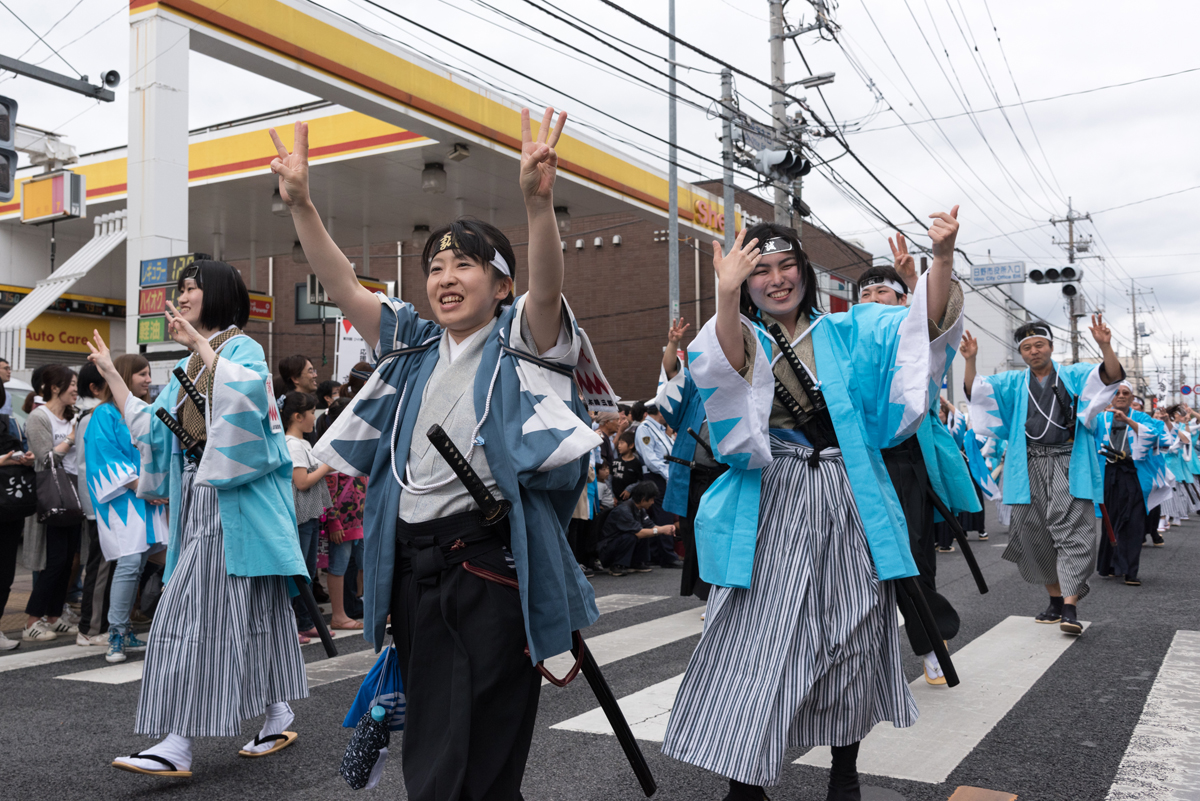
[116,647]
[132,641]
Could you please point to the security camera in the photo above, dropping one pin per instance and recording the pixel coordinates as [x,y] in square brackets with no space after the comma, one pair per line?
[111,78]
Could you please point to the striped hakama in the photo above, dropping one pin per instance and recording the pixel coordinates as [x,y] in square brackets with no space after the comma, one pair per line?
[809,654]
[1181,503]
[1053,539]
[221,647]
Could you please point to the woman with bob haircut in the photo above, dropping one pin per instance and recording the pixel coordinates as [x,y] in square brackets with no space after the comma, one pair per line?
[223,646]
[474,608]
[801,535]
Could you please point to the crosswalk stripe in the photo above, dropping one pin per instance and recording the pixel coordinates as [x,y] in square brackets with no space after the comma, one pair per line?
[356,664]
[997,669]
[633,640]
[1163,757]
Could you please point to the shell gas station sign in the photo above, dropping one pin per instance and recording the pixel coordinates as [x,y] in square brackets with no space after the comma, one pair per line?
[63,332]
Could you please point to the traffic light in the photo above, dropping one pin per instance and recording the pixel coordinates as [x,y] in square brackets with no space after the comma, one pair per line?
[1066,276]
[782,164]
[8,149]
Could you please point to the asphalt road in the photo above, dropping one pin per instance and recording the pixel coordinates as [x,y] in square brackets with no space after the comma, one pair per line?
[1064,739]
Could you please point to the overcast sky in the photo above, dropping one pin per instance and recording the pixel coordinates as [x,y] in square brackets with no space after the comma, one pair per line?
[1011,172]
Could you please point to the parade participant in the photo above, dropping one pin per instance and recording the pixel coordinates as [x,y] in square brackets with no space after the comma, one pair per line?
[1126,439]
[223,645]
[129,527]
[683,410]
[802,534]
[1178,457]
[1046,413]
[918,467]
[625,541]
[473,608]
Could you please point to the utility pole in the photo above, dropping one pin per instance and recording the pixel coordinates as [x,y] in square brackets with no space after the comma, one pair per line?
[1140,383]
[727,153]
[783,214]
[1072,245]
[673,180]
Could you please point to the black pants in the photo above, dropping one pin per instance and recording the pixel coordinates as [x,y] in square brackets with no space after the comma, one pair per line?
[1151,528]
[97,582]
[1127,514]
[906,467]
[10,541]
[581,536]
[50,590]
[626,550]
[690,582]
[472,692]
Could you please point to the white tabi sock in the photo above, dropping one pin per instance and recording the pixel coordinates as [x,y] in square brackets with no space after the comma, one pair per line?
[177,750]
[279,717]
[932,666]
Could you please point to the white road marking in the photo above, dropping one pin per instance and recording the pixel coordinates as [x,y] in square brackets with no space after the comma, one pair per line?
[996,669]
[347,666]
[1162,760]
[633,640]
[122,673]
[646,710]
[48,656]
[618,601]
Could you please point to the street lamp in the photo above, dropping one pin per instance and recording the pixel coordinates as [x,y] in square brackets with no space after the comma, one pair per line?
[813,81]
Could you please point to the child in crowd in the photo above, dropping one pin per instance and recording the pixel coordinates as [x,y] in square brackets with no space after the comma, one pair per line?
[309,490]
[344,528]
[604,493]
[627,470]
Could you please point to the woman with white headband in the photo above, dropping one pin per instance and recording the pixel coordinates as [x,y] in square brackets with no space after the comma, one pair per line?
[800,537]
[1047,414]
[474,608]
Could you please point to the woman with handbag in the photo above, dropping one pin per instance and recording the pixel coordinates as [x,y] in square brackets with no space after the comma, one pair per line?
[50,430]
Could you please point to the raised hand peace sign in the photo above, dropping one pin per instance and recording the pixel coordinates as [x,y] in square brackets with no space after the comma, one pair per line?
[969,346]
[1100,330]
[903,261]
[539,161]
[677,330]
[292,168]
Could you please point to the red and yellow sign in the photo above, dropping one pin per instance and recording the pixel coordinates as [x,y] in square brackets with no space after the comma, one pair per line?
[56,196]
[262,308]
[154,300]
[64,332]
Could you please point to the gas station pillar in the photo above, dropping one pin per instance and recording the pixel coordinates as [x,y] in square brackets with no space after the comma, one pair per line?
[157,175]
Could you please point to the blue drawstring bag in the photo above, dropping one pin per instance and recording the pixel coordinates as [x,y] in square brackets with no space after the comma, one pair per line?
[382,686]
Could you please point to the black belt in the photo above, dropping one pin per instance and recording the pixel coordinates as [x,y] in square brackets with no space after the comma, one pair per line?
[437,545]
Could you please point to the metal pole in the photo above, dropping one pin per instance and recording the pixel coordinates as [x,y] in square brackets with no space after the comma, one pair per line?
[1074,330]
[1136,362]
[778,105]
[672,179]
[727,159]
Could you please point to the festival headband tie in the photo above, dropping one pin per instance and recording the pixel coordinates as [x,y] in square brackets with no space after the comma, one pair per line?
[882,281]
[498,261]
[1037,332]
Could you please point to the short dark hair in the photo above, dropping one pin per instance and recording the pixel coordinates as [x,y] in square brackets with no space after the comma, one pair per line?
[355,381]
[764,231]
[651,408]
[627,438]
[296,403]
[226,300]
[3,360]
[89,374]
[290,367]
[638,412]
[335,409]
[878,273]
[1033,328]
[325,388]
[643,491]
[477,240]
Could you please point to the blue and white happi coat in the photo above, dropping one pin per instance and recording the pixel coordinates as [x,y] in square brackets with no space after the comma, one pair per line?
[1178,452]
[126,523]
[1143,447]
[948,473]
[999,404]
[875,364]
[536,437]
[973,447]
[682,408]
[246,460]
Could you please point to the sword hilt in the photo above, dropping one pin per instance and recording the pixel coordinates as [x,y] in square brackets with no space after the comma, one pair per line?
[189,388]
[493,510]
[815,396]
[191,447]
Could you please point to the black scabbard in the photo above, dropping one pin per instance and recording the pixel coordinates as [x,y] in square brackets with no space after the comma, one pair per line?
[191,447]
[912,589]
[493,510]
[616,718]
[314,611]
[961,536]
[707,448]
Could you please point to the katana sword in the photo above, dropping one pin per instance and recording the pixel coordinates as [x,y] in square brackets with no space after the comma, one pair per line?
[960,535]
[191,447]
[494,510]
[699,441]
[189,388]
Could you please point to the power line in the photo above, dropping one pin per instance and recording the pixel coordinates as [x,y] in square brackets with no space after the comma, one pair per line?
[40,39]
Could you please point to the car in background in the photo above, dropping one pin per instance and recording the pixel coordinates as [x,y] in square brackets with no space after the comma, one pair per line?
[17,390]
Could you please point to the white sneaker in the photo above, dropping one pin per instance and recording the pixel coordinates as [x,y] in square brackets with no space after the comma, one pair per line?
[70,615]
[37,632]
[95,639]
[7,644]
[60,626]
